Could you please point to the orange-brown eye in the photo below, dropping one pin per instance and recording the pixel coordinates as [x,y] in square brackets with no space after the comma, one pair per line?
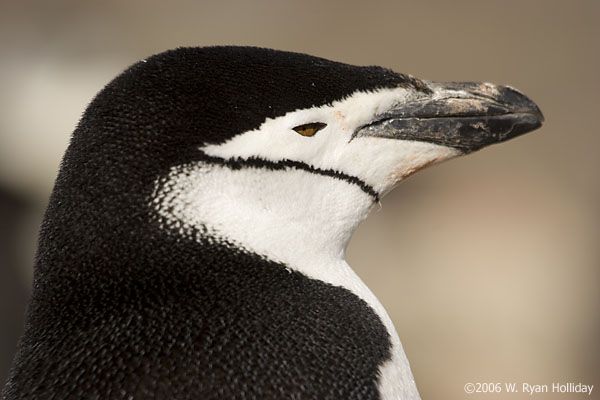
[310,129]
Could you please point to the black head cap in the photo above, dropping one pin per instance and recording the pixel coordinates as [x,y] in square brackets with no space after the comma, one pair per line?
[207,95]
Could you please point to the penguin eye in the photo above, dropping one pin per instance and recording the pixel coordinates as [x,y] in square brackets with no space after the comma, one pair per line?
[310,129]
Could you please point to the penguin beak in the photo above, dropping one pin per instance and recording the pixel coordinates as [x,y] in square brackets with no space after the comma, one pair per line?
[463,115]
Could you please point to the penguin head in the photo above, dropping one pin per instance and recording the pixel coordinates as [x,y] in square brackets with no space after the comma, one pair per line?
[243,103]
[236,143]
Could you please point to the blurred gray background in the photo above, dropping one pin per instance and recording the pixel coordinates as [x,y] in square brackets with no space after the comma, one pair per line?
[489,265]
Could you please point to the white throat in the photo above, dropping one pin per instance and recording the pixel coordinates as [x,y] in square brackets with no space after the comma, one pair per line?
[302,219]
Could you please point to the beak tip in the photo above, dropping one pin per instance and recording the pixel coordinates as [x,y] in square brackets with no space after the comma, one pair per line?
[515,98]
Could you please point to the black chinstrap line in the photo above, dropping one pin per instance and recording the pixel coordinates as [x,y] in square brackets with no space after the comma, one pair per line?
[255,162]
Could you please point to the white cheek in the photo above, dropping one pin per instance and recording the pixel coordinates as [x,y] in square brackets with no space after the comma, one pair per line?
[383,163]
[275,139]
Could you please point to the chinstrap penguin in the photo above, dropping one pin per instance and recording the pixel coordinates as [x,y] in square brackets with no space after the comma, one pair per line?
[193,246]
